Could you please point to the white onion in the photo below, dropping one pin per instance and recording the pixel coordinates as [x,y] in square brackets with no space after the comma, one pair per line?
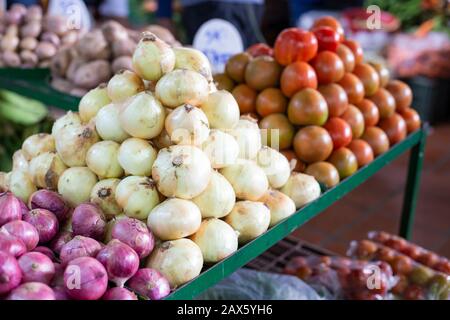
[20,162]
[250,219]
[187,124]
[21,185]
[101,158]
[108,126]
[153,57]
[181,171]
[301,188]
[103,194]
[221,149]
[137,196]
[163,140]
[136,156]
[46,169]
[192,59]
[218,199]
[212,87]
[37,144]
[178,260]
[4,181]
[142,116]
[275,165]
[248,180]
[221,109]
[73,143]
[123,85]
[92,102]
[182,86]
[75,185]
[69,119]
[247,135]
[279,204]
[174,219]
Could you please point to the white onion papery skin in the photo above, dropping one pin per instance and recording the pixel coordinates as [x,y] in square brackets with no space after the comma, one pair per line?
[142,116]
[137,196]
[174,219]
[92,102]
[182,86]
[248,137]
[192,59]
[103,194]
[279,204]
[216,239]
[124,85]
[20,162]
[37,144]
[107,124]
[181,171]
[73,143]
[221,148]
[218,199]
[136,157]
[46,169]
[101,158]
[250,219]
[248,180]
[163,140]
[301,188]
[21,185]
[222,110]
[75,185]
[69,119]
[178,260]
[187,124]
[275,165]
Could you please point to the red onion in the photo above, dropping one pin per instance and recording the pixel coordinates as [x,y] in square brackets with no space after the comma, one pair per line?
[78,247]
[24,231]
[85,279]
[45,251]
[36,267]
[45,223]
[58,279]
[60,293]
[11,208]
[120,261]
[149,283]
[134,233]
[60,240]
[51,201]
[118,293]
[32,291]
[12,245]
[10,274]
[88,220]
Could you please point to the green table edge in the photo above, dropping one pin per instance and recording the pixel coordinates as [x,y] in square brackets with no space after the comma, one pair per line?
[256,247]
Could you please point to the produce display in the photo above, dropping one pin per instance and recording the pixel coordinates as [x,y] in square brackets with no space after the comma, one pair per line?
[30,39]
[416,281]
[155,176]
[334,110]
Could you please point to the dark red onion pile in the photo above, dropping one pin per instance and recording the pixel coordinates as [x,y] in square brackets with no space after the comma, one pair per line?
[42,260]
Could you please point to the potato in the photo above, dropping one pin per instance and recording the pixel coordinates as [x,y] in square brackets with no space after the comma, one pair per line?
[11,59]
[14,17]
[12,30]
[124,47]
[162,33]
[28,43]
[45,63]
[61,84]
[45,50]
[34,13]
[74,65]
[9,43]
[135,35]
[70,37]
[78,92]
[92,74]
[122,63]
[56,24]
[51,38]
[31,29]
[114,31]
[29,58]
[61,61]
[93,45]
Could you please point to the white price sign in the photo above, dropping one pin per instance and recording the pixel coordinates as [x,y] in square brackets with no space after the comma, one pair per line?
[77,14]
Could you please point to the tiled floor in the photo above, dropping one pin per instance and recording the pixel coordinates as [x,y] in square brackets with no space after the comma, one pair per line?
[376,205]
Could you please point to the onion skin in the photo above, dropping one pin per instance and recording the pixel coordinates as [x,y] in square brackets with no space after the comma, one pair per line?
[36,267]
[88,220]
[45,223]
[60,240]
[11,208]
[46,169]
[221,148]
[120,261]
[136,156]
[60,293]
[248,137]
[109,226]
[150,283]
[192,59]
[103,195]
[108,126]
[275,165]
[67,120]
[92,102]
[117,293]
[85,279]
[75,185]
[222,110]
[101,158]
[45,251]
[123,85]
[301,188]
[51,201]
[32,291]
[12,245]
[279,204]
[38,144]
[24,231]
[78,247]
[20,162]
[10,273]
[135,234]
[21,185]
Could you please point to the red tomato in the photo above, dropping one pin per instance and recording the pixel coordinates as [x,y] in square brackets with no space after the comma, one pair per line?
[355,119]
[412,119]
[329,21]
[329,67]
[260,49]
[370,112]
[402,94]
[395,128]
[385,102]
[340,132]
[356,49]
[353,86]
[336,98]
[368,76]
[327,38]
[362,150]
[347,57]
[297,76]
[295,44]
[377,140]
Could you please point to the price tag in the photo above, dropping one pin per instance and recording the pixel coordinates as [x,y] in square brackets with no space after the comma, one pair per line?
[218,39]
[77,14]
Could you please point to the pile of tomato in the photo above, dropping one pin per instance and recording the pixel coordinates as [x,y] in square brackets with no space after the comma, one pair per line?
[334,111]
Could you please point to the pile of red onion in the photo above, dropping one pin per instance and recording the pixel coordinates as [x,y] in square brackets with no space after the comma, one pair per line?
[38,261]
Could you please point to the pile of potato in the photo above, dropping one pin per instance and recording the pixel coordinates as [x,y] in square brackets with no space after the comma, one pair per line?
[29,39]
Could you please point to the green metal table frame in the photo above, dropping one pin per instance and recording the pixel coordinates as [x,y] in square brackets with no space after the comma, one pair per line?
[37,87]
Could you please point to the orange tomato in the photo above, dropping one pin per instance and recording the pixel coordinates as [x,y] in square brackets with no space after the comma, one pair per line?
[324,172]
[355,119]
[312,144]
[336,98]
[308,107]
[353,87]
[329,21]
[369,111]
[385,103]
[235,66]
[402,94]
[245,97]
[412,119]
[347,57]
[270,100]
[345,162]
[368,76]
[340,132]
[297,76]
[395,128]
[362,151]
[328,66]
[285,134]
[377,139]
[356,49]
